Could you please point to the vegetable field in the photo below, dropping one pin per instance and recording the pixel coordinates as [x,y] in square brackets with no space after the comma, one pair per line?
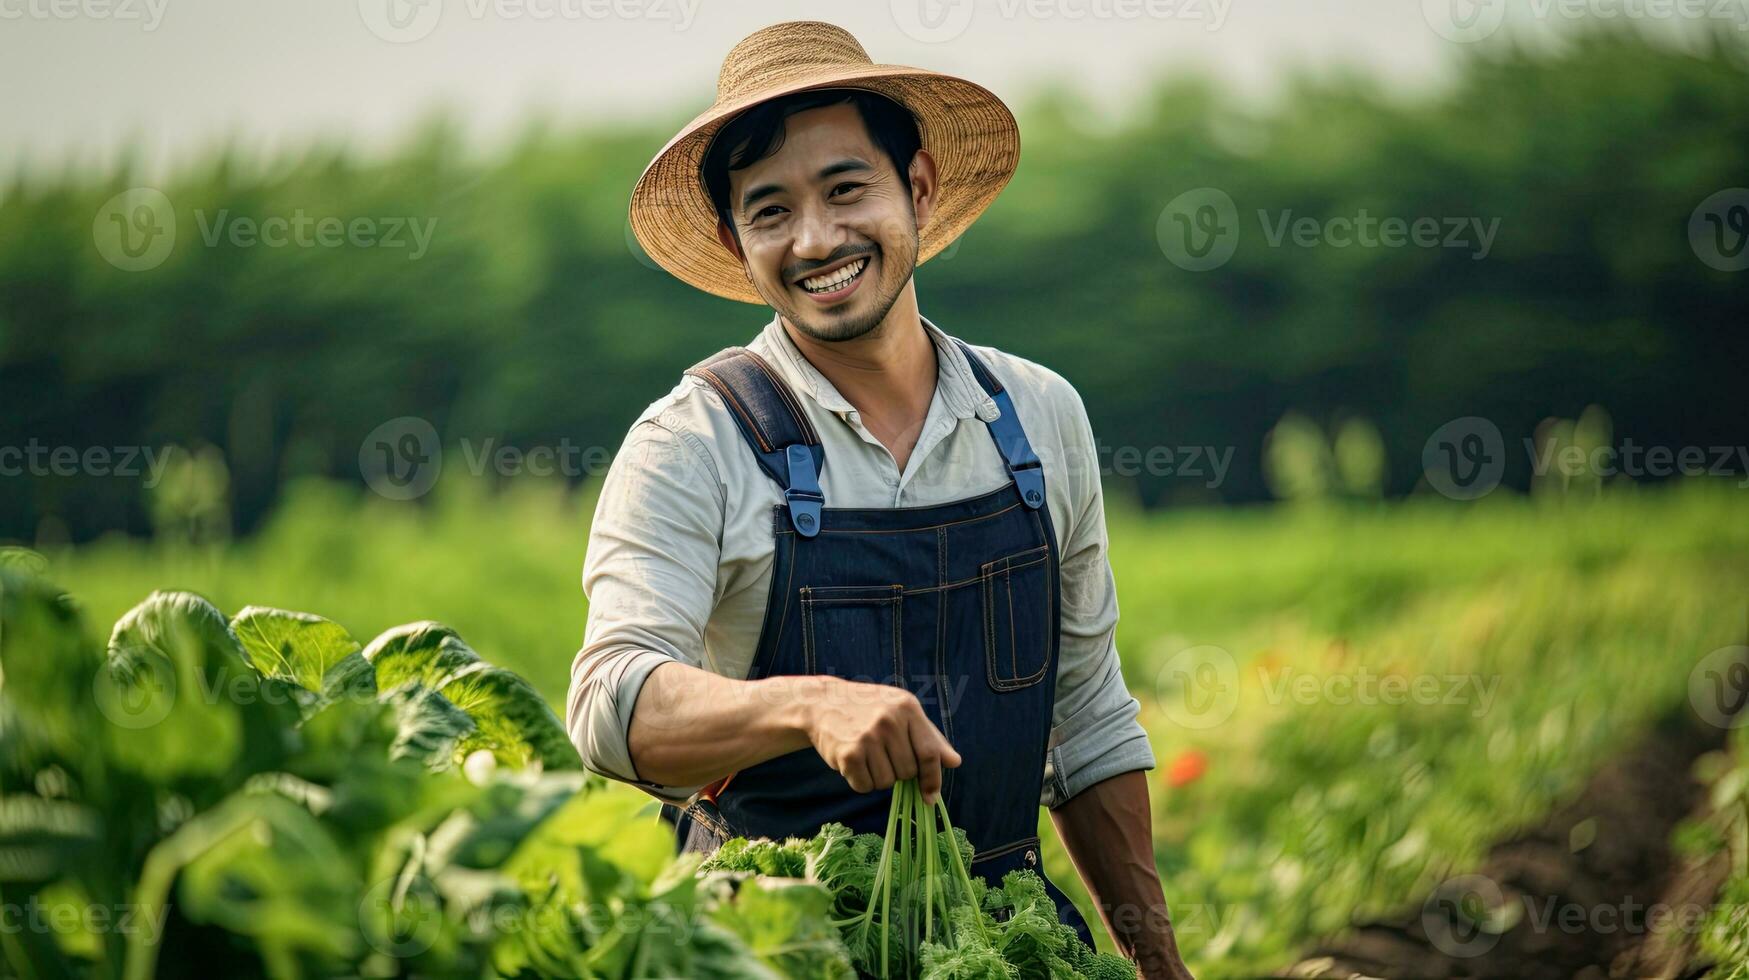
[1351,705]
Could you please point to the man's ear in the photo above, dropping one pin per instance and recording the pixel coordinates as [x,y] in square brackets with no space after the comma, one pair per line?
[925,187]
[726,235]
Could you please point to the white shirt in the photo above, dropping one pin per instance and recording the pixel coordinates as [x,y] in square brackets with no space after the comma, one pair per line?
[680,550]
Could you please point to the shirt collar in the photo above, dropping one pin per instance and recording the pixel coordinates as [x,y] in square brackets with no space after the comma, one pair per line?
[958,387]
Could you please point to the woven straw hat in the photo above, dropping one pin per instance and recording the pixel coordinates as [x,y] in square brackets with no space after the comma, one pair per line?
[968,130]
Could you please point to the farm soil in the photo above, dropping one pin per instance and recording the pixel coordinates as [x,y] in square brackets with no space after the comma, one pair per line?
[1601,861]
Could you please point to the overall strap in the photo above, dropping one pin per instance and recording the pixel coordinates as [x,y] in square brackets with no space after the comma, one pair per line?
[1010,437]
[775,427]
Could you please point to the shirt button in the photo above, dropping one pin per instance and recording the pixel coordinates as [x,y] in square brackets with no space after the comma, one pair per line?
[1032,858]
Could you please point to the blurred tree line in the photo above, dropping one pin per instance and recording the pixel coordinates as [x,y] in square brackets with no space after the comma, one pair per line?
[531,318]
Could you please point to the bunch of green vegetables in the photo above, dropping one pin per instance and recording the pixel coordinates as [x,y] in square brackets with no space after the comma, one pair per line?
[906,905]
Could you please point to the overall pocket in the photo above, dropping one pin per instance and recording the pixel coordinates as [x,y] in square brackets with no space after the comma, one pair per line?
[852,631]
[1018,593]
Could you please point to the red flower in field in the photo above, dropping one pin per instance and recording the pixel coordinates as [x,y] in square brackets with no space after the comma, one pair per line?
[1186,769]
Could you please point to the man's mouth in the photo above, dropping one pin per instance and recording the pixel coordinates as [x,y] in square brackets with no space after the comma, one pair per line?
[836,283]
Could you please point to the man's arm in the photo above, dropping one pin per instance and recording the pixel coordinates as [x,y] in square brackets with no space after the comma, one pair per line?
[1096,785]
[691,726]
[640,708]
[1108,833]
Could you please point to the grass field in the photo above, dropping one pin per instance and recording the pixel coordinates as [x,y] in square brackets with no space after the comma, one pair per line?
[1348,703]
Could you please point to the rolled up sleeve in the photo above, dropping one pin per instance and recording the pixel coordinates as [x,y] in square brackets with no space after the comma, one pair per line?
[1095,733]
[650,579]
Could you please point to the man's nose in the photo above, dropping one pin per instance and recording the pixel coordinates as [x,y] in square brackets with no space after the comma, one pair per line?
[817,235]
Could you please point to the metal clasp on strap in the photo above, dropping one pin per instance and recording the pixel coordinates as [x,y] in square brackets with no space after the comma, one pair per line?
[1029,479]
[803,493]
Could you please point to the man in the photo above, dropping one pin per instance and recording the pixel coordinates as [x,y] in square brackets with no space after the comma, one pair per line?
[859,551]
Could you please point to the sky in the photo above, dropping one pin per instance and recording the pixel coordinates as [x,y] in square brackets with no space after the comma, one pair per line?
[173,78]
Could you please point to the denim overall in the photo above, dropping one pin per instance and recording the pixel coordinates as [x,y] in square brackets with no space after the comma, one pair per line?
[957,603]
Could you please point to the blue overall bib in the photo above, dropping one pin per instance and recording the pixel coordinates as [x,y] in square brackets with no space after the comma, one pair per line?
[957,603]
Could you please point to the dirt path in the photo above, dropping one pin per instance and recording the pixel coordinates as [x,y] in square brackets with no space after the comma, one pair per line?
[1581,893]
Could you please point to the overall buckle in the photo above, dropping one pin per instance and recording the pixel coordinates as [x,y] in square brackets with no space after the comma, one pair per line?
[1029,479]
[803,494]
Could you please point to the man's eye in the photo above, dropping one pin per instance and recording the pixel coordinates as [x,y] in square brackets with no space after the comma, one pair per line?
[767,211]
[845,188]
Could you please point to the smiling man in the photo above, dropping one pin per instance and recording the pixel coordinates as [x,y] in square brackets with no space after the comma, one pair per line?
[859,551]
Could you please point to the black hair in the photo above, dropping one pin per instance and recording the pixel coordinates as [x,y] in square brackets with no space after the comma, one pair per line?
[758,133]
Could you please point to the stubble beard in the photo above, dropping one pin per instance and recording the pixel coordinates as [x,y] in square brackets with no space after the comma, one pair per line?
[829,328]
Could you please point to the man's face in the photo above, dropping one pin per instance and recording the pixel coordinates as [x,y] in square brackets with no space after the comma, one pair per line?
[828,231]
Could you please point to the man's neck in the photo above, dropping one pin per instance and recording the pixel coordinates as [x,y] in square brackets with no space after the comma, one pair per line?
[887,374]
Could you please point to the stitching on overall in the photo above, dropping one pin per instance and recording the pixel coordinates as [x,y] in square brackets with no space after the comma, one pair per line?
[734,402]
[789,398]
[898,602]
[807,633]
[1001,849]
[904,530]
[810,599]
[1006,571]
[941,645]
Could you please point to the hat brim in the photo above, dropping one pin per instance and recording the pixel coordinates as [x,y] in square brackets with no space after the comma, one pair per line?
[967,129]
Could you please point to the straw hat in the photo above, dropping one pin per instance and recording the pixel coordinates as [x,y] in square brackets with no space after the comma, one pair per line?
[967,129]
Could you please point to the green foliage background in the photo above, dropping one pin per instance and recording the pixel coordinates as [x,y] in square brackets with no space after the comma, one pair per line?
[532,320]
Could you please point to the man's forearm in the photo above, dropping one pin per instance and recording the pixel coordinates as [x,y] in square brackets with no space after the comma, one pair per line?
[1108,833]
[691,726]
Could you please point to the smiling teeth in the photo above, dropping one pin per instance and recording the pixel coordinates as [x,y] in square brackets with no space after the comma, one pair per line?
[832,280]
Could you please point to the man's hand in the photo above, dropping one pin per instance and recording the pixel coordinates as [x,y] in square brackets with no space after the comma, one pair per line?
[691,727]
[875,735]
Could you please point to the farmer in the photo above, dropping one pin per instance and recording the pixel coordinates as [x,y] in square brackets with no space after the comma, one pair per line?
[858,550]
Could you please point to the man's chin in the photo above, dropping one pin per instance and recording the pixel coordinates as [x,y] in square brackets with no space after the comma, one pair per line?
[837,324]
